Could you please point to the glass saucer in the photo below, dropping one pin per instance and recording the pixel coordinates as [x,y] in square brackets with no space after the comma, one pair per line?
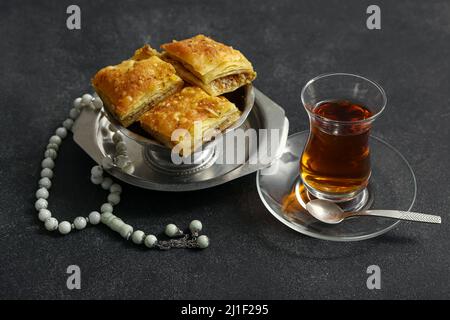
[392,186]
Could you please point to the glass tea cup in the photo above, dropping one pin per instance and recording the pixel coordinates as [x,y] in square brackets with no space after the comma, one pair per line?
[335,163]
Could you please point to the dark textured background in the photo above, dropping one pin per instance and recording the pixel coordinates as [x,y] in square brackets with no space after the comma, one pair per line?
[44,66]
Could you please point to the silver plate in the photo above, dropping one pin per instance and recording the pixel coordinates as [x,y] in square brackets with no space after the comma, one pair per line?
[91,133]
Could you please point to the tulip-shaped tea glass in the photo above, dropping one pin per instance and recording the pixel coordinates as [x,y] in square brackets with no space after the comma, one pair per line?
[335,163]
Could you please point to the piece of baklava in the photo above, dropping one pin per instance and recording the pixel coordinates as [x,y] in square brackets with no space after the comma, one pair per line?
[211,65]
[134,86]
[199,115]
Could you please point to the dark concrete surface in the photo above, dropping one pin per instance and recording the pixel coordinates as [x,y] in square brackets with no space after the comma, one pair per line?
[44,66]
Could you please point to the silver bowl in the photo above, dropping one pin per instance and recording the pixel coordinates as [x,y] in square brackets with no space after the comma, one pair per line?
[159,155]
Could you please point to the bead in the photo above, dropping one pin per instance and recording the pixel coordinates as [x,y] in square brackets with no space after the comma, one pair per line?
[55,139]
[53,146]
[80,223]
[106,217]
[105,131]
[115,188]
[203,242]
[64,227]
[45,183]
[126,231]
[86,100]
[112,128]
[114,198]
[94,217]
[117,137]
[51,153]
[172,230]
[138,237]
[44,214]
[41,204]
[121,152]
[74,113]
[48,163]
[150,240]
[106,207]
[107,163]
[96,180]
[121,147]
[97,103]
[116,224]
[195,226]
[42,193]
[68,123]
[77,103]
[61,132]
[129,168]
[97,171]
[47,173]
[107,182]
[121,161]
[51,224]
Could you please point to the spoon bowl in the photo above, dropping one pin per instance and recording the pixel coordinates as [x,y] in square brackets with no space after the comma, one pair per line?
[325,211]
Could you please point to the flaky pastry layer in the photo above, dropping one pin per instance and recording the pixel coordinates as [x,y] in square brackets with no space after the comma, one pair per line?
[215,67]
[183,110]
[134,86]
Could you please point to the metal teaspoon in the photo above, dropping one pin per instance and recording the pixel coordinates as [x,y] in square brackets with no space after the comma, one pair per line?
[329,212]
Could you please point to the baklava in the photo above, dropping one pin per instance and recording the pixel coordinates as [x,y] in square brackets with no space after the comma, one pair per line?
[134,86]
[213,66]
[200,115]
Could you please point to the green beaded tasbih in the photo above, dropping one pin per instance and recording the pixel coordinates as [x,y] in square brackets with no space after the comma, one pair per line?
[106,216]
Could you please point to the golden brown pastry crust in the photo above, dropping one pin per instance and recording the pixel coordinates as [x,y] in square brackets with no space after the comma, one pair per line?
[215,67]
[134,86]
[144,53]
[183,109]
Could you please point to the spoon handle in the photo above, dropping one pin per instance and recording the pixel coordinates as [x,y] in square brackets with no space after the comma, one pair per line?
[401,215]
